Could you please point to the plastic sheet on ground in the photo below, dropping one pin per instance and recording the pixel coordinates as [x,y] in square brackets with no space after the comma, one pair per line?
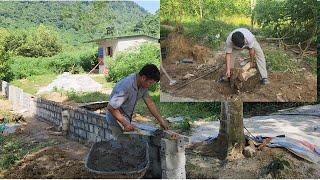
[300,148]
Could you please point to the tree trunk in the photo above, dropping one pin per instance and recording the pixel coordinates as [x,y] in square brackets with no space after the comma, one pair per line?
[230,141]
[231,127]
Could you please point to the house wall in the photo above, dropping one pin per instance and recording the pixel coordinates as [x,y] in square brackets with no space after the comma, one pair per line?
[121,44]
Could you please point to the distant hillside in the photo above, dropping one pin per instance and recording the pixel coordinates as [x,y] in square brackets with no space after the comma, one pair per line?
[84,20]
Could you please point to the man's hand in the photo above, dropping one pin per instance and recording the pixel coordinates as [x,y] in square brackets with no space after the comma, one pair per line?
[240,59]
[154,111]
[164,124]
[128,127]
[228,73]
[251,64]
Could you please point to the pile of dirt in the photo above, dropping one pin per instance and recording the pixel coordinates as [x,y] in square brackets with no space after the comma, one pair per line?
[198,166]
[178,47]
[72,82]
[50,162]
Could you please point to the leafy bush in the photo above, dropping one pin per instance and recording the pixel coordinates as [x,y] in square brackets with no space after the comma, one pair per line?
[130,62]
[40,42]
[5,72]
[294,19]
[209,32]
[74,62]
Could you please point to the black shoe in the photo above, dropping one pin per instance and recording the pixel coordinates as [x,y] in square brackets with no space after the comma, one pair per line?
[265,81]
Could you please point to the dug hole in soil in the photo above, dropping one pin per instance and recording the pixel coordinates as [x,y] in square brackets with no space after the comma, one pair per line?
[283,87]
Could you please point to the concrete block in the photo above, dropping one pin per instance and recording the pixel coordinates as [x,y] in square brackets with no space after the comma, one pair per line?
[171,146]
[91,128]
[105,124]
[94,120]
[115,130]
[91,137]
[173,161]
[71,129]
[173,174]
[82,124]
[100,122]
[82,133]
[71,112]
[101,132]
[85,118]
[108,134]
[96,130]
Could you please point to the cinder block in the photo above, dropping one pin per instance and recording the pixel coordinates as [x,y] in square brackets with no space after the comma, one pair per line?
[90,128]
[94,120]
[71,129]
[91,137]
[100,122]
[173,161]
[174,174]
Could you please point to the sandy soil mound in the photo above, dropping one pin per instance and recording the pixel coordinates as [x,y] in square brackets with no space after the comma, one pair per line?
[73,82]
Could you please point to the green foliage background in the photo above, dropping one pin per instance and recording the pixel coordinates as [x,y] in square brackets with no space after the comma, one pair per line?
[49,37]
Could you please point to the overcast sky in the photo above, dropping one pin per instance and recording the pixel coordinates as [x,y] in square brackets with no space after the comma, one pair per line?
[150,5]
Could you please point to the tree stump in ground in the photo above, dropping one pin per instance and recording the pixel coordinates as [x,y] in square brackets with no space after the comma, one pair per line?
[241,75]
[230,141]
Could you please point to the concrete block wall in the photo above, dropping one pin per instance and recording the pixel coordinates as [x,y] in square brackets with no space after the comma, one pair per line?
[167,156]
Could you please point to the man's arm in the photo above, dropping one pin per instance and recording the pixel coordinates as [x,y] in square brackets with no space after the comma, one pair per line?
[119,117]
[252,55]
[154,111]
[228,62]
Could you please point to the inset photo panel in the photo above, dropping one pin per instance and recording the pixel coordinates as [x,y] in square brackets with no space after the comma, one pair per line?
[255,50]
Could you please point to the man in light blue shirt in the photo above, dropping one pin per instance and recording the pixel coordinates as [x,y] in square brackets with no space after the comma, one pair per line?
[127,92]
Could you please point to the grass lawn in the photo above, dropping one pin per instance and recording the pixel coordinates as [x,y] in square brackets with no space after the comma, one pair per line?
[12,149]
[32,84]
[102,80]
[191,111]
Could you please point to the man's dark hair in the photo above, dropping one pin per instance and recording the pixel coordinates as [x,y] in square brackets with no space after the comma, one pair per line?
[238,39]
[151,72]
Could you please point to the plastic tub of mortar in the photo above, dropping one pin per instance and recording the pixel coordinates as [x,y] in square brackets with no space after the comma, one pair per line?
[126,157]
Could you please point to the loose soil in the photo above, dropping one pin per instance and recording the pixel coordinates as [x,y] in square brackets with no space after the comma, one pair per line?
[283,87]
[198,166]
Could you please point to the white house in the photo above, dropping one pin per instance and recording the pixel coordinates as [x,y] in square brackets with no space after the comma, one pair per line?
[113,45]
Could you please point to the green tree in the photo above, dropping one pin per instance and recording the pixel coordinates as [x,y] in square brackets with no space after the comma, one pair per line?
[291,19]
[41,43]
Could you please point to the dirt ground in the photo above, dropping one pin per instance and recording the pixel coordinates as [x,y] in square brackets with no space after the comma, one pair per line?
[198,166]
[283,87]
[63,158]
